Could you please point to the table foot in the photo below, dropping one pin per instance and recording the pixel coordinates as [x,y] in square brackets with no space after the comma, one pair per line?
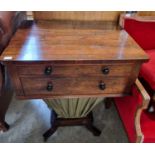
[4,126]
[94,130]
[49,133]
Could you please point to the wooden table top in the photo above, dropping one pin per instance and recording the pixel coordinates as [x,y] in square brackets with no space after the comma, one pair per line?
[41,42]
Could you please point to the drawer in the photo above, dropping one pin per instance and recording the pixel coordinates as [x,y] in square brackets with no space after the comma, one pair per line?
[123,69]
[74,86]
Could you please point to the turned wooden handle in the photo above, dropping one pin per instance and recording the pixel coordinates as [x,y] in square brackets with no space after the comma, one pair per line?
[49,86]
[102,85]
[105,70]
[48,70]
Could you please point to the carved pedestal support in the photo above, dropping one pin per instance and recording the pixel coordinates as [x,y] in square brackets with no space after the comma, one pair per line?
[84,121]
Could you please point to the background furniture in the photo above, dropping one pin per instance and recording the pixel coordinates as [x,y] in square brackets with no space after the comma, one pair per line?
[80,19]
[9,22]
[142,29]
[131,111]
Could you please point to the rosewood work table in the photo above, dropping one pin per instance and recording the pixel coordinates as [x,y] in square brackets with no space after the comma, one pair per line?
[52,62]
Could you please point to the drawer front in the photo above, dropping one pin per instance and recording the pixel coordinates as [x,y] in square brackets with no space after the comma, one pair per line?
[74,86]
[76,70]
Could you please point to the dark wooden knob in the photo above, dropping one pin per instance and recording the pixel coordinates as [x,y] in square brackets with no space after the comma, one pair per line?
[102,85]
[49,87]
[105,70]
[48,70]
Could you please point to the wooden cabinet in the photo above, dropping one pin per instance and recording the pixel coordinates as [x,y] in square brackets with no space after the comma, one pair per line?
[47,62]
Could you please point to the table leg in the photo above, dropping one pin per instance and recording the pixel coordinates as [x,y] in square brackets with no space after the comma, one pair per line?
[53,128]
[4,104]
[5,98]
[108,102]
[89,125]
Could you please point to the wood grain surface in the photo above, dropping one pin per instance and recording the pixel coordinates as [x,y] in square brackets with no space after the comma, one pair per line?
[41,43]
